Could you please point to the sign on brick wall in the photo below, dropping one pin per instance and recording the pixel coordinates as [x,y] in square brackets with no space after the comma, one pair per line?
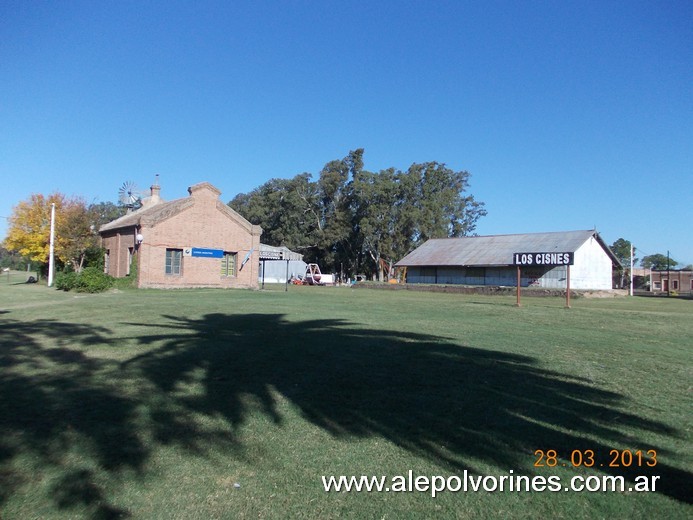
[203,252]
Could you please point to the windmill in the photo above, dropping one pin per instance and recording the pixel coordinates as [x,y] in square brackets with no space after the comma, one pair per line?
[128,196]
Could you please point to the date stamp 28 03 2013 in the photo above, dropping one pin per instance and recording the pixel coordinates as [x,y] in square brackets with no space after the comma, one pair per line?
[589,458]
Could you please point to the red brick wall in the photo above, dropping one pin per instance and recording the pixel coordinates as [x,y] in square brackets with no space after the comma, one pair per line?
[208,223]
[679,281]
[117,243]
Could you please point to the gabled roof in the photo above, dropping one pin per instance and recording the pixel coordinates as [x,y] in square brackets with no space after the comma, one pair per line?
[149,215]
[497,249]
[155,212]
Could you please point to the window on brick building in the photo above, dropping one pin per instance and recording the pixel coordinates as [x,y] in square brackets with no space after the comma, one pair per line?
[228,264]
[174,259]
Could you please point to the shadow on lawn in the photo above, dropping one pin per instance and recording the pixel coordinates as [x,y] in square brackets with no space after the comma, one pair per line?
[436,399]
[55,401]
[421,392]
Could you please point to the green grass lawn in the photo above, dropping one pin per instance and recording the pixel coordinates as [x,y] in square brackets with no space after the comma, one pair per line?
[233,404]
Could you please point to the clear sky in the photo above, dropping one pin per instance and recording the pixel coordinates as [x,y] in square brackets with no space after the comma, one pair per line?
[568,115]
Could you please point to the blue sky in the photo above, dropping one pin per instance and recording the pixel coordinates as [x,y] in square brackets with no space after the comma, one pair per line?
[568,115]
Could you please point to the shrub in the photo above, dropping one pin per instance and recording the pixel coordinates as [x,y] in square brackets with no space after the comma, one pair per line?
[129,281]
[66,281]
[91,280]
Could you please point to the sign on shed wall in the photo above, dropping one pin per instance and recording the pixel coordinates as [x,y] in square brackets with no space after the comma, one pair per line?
[534,259]
[271,255]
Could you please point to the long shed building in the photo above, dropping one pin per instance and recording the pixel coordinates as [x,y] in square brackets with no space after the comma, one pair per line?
[490,260]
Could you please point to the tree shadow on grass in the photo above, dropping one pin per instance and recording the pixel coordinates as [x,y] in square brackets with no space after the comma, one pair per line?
[441,401]
[438,400]
[55,400]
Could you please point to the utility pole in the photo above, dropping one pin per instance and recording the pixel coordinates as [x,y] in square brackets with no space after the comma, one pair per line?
[51,259]
[632,252]
[668,276]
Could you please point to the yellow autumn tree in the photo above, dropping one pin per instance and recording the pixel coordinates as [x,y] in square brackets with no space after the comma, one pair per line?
[29,229]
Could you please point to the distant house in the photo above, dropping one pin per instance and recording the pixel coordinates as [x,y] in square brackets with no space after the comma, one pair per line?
[680,281]
[490,260]
[196,241]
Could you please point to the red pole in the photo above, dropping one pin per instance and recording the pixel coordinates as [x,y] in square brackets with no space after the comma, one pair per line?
[518,287]
[567,292]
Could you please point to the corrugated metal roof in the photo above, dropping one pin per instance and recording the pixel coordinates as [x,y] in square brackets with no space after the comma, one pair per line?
[496,249]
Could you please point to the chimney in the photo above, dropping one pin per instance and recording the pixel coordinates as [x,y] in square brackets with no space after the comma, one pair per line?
[155,199]
[156,189]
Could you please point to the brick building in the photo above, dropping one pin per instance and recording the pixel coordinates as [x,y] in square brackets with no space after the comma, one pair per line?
[680,281]
[196,241]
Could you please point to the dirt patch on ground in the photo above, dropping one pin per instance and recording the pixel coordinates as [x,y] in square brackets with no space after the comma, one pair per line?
[614,293]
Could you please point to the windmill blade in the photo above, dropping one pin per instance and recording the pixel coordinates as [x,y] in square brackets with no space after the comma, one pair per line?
[128,194]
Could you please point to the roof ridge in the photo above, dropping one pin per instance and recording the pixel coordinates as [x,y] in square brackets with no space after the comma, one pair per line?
[518,234]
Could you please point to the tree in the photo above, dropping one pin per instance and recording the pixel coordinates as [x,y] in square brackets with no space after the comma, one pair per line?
[12,259]
[658,262]
[29,227]
[336,210]
[312,217]
[622,250]
[79,234]
[376,199]
[440,207]
[286,209]
[358,219]
[101,213]
[29,230]
[397,211]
